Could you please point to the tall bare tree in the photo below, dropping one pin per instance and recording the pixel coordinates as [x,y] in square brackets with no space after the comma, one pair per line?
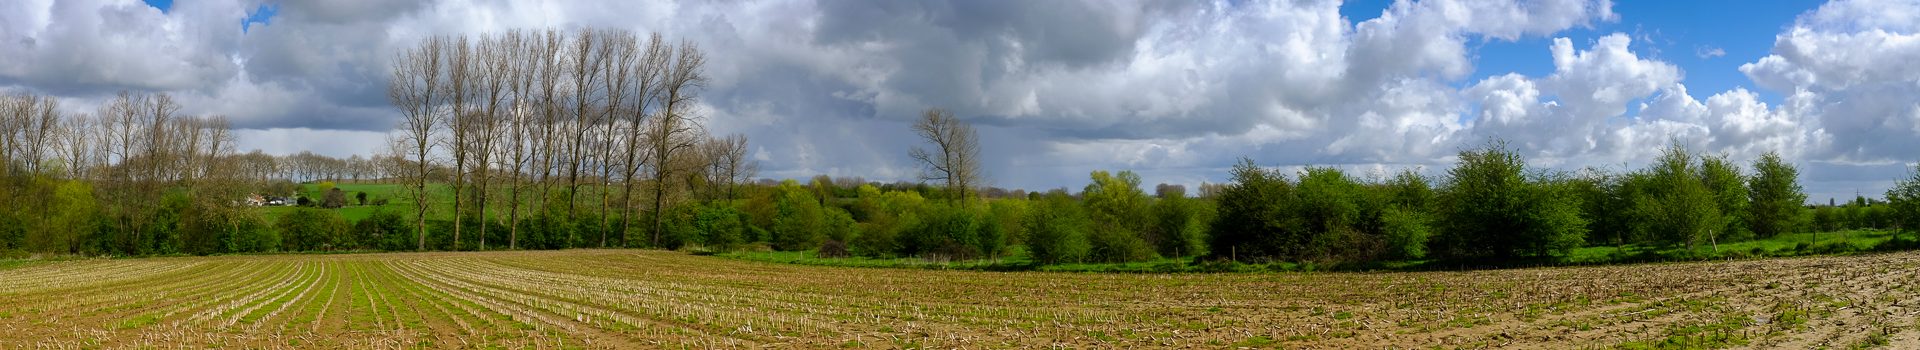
[674,130]
[954,158]
[585,58]
[647,78]
[495,65]
[462,74]
[415,89]
[619,55]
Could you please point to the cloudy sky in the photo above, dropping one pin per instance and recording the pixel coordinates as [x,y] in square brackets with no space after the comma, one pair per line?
[1176,90]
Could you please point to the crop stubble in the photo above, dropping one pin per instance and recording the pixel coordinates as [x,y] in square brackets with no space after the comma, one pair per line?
[628,299]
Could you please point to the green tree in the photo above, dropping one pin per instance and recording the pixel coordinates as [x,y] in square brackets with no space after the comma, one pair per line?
[1180,226]
[1904,199]
[1120,212]
[1491,208]
[1406,220]
[1776,197]
[797,219]
[1253,223]
[383,229]
[1687,211]
[307,229]
[1057,230]
[1728,188]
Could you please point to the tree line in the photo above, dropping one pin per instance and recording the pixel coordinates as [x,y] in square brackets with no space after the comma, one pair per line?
[572,136]
[554,139]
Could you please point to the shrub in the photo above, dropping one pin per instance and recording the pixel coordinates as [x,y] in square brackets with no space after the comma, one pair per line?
[1405,233]
[797,219]
[1254,221]
[384,229]
[943,232]
[1491,208]
[308,229]
[334,199]
[1180,226]
[720,227]
[839,226]
[1057,230]
[833,249]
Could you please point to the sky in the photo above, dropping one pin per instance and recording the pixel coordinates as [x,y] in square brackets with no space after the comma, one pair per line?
[1175,90]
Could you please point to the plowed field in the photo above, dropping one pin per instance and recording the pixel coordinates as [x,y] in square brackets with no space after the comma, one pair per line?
[647,299]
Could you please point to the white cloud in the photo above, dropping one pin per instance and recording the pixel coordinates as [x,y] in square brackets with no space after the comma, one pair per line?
[1706,52]
[1176,89]
[1848,66]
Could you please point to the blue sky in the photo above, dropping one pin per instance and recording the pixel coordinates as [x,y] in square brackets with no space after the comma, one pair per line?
[1176,90]
[1679,32]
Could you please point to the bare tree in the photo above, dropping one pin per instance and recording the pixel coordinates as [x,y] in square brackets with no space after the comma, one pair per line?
[462,75]
[674,130]
[550,69]
[414,89]
[728,165]
[954,158]
[495,65]
[585,59]
[522,65]
[647,79]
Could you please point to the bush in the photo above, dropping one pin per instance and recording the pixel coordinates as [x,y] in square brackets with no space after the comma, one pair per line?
[1255,221]
[334,199]
[720,227]
[384,229]
[839,226]
[944,232]
[1491,208]
[797,219]
[1405,233]
[833,249]
[1180,226]
[309,229]
[1121,217]
[1057,230]
[1117,246]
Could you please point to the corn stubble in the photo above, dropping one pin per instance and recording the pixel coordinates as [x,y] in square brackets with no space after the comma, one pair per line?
[646,299]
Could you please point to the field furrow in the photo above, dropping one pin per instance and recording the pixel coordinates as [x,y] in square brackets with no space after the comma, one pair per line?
[649,299]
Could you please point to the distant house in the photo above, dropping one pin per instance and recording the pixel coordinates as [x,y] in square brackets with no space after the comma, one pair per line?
[255,200]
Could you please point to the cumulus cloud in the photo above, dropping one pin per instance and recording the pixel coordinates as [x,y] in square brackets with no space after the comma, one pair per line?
[1849,67]
[1176,89]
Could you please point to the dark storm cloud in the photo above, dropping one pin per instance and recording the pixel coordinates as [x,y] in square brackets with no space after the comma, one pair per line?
[1176,89]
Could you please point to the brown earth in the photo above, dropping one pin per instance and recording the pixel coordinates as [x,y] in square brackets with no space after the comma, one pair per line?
[650,299]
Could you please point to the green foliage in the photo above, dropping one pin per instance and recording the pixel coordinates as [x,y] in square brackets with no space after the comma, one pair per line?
[384,229]
[1406,233]
[1904,202]
[1009,214]
[946,232]
[1253,217]
[310,229]
[1404,218]
[1180,226]
[1728,188]
[1491,209]
[1057,230]
[720,227]
[1120,213]
[1684,207]
[1775,195]
[208,228]
[797,218]
[839,226]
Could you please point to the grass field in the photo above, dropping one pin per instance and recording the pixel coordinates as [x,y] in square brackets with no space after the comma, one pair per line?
[652,299]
